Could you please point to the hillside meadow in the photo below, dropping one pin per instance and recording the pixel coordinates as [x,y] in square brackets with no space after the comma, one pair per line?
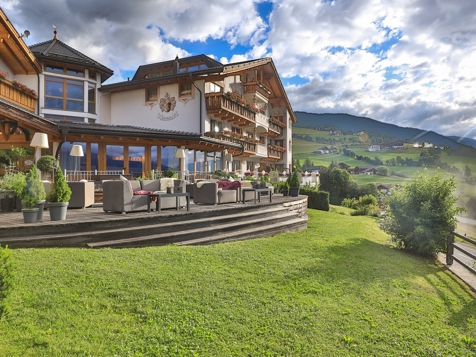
[336,289]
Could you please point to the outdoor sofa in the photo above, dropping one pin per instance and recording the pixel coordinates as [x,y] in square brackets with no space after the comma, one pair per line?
[216,192]
[130,196]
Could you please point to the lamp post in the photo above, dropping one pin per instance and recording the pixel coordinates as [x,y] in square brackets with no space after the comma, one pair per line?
[77,152]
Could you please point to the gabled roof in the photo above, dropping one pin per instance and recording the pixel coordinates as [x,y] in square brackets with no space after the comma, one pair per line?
[272,79]
[56,50]
[138,81]
[14,52]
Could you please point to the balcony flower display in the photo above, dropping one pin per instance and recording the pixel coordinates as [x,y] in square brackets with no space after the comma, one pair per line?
[3,75]
[24,88]
[278,122]
[235,97]
[277,147]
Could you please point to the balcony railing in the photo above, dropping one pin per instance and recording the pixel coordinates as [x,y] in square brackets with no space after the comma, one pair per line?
[274,153]
[220,105]
[17,96]
[249,147]
[253,87]
[274,130]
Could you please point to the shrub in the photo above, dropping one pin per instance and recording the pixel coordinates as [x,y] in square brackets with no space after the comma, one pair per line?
[421,213]
[33,191]
[14,182]
[350,203]
[5,278]
[169,173]
[46,163]
[316,199]
[60,191]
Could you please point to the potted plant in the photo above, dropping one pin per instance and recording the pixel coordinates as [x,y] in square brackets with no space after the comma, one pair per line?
[46,163]
[30,195]
[37,186]
[13,184]
[285,188]
[294,183]
[58,198]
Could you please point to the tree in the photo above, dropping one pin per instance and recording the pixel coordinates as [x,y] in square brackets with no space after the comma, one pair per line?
[382,171]
[421,213]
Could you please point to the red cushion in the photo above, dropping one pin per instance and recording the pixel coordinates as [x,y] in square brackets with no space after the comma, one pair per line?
[229,185]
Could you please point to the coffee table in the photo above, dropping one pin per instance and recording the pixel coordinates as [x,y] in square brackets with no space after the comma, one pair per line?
[162,195]
[257,192]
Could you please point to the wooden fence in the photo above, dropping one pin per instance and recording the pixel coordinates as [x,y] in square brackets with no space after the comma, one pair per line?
[466,249]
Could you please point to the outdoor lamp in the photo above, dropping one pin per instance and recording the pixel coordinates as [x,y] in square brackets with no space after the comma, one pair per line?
[76,151]
[40,140]
[180,153]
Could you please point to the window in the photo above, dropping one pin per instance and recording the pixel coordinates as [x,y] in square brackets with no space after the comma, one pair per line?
[151,94]
[64,70]
[65,94]
[185,90]
[214,88]
[236,130]
[65,118]
[215,126]
[91,98]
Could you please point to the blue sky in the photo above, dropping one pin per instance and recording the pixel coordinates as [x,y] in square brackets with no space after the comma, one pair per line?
[407,62]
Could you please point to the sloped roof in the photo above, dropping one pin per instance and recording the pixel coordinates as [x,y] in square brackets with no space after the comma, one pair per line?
[210,63]
[57,50]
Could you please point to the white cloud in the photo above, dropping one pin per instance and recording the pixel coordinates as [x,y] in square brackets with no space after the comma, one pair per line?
[424,78]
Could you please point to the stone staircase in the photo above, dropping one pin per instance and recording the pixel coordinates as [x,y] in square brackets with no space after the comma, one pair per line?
[206,226]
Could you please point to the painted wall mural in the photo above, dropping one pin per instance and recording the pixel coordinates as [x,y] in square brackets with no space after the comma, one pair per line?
[167,105]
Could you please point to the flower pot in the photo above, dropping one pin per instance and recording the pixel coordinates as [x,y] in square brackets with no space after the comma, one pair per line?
[6,204]
[294,191]
[58,210]
[285,193]
[18,204]
[30,215]
[41,208]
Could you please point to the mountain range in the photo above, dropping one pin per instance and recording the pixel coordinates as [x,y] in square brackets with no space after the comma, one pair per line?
[357,124]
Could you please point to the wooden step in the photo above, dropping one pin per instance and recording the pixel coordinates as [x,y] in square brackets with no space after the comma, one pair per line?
[173,237]
[91,236]
[253,232]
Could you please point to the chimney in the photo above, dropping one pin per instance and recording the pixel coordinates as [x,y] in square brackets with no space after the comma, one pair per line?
[176,65]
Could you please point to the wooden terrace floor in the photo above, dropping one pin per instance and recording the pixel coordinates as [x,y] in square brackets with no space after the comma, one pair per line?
[14,220]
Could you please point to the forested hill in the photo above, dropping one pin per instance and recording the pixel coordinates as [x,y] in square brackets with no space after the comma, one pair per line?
[356,124]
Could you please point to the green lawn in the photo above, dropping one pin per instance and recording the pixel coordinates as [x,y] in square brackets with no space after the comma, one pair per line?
[336,289]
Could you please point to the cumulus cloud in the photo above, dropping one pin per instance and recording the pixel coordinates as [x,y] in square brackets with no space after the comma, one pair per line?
[408,62]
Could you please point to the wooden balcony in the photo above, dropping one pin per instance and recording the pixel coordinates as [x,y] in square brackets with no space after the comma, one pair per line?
[253,87]
[249,148]
[274,130]
[17,96]
[274,154]
[219,105]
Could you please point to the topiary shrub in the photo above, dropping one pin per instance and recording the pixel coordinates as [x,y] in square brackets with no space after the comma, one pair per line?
[46,163]
[5,278]
[60,191]
[294,180]
[33,191]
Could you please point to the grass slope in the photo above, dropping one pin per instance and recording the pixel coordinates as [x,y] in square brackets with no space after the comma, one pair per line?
[336,289]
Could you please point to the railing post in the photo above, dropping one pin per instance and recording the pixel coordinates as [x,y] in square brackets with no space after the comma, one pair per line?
[450,249]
